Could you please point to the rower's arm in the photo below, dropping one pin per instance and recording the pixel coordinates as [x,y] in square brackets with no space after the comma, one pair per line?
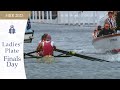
[54,47]
[39,47]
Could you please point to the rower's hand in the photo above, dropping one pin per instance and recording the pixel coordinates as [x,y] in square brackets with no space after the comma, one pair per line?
[54,47]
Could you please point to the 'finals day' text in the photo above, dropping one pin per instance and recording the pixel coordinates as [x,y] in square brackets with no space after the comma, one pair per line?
[11,51]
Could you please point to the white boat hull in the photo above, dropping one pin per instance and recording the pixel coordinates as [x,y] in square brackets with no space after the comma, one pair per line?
[107,43]
[28,37]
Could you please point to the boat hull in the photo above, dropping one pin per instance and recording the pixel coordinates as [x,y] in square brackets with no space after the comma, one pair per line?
[107,43]
[28,36]
[47,59]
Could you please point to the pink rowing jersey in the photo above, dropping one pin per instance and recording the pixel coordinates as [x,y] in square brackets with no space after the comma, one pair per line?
[47,48]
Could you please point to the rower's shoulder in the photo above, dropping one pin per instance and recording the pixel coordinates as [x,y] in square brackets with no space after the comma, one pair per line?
[39,41]
[52,41]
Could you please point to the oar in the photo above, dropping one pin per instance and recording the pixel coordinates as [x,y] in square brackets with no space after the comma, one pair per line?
[34,56]
[41,57]
[31,52]
[81,56]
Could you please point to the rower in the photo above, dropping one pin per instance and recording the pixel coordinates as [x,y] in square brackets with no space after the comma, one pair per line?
[39,47]
[46,47]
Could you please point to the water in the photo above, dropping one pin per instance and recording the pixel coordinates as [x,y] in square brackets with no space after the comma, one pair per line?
[75,39]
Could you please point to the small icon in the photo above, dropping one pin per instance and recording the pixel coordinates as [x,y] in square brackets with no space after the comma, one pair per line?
[12,30]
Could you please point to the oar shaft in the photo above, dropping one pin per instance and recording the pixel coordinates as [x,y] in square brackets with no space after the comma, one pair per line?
[31,52]
[33,56]
[81,56]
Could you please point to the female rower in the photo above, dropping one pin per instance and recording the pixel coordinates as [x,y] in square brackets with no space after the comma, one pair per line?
[46,46]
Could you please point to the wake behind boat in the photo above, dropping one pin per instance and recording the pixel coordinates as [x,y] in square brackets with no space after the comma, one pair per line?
[107,43]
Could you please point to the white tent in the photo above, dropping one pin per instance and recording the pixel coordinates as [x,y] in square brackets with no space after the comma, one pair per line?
[70,17]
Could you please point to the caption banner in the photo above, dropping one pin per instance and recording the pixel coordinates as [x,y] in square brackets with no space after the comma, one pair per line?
[12,31]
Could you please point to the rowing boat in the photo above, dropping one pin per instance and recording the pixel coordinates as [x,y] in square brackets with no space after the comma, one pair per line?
[46,59]
[64,54]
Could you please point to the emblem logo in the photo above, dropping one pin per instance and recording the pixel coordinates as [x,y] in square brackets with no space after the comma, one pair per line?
[12,30]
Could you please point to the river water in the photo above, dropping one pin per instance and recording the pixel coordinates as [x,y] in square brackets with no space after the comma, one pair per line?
[73,38]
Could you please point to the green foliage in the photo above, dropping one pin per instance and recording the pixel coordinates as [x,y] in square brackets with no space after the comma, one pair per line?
[118,20]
